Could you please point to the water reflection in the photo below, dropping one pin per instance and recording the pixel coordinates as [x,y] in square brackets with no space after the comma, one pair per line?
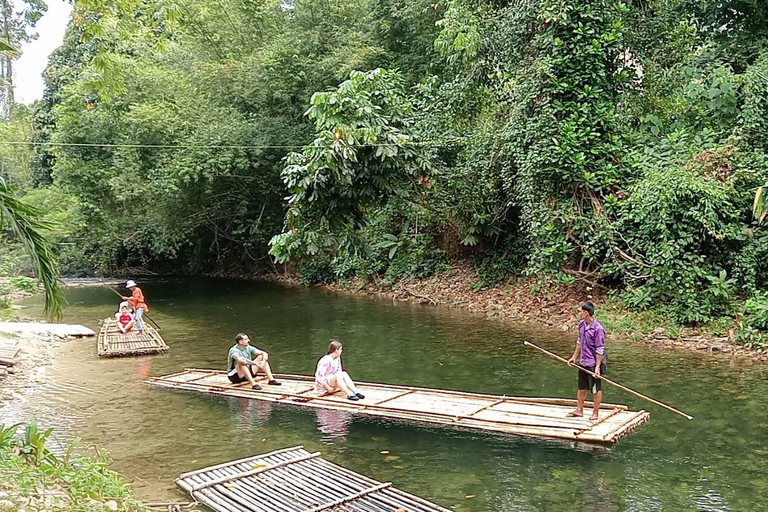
[250,412]
[334,424]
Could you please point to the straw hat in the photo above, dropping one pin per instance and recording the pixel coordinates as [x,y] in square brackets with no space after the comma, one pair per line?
[130,284]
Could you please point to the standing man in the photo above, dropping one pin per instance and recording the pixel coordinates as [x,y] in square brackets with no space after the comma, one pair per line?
[137,301]
[244,361]
[591,347]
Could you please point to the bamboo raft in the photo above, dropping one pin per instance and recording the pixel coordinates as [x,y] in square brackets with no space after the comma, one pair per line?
[294,480]
[541,417]
[113,343]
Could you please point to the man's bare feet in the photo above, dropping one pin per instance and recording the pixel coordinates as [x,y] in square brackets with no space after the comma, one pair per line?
[594,417]
[574,414]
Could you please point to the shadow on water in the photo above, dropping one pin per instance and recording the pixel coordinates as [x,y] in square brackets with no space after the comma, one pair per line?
[716,462]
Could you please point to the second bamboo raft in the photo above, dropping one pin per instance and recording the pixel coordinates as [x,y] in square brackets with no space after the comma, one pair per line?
[543,417]
[113,343]
[294,480]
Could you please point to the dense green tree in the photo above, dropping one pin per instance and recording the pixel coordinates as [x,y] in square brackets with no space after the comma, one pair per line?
[615,142]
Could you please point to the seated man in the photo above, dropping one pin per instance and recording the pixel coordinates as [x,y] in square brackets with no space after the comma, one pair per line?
[125,320]
[244,361]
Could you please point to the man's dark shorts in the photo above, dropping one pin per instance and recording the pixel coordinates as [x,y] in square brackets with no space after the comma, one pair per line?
[586,381]
[234,378]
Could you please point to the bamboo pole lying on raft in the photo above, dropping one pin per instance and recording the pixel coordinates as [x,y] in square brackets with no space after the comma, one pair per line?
[606,379]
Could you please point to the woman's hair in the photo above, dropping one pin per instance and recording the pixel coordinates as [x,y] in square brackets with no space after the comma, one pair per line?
[333,347]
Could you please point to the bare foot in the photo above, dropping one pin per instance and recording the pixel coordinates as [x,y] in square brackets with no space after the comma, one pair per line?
[594,417]
[574,414]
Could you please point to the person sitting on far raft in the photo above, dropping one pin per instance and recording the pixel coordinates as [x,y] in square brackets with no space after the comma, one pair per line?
[244,361]
[137,301]
[330,378]
[124,318]
[591,347]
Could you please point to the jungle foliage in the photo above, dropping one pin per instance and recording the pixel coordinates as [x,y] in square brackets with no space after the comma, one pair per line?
[620,143]
[34,477]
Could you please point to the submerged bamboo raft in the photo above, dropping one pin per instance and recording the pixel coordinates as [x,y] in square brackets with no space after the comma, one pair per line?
[294,480]
[543,417]
[113,343]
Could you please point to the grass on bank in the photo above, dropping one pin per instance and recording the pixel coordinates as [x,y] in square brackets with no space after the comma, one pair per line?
[32,478]
[617,318]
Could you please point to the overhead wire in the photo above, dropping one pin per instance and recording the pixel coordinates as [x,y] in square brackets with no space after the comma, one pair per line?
[219,146]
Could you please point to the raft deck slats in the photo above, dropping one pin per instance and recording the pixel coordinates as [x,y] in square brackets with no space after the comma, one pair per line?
[294,480]
[113,343]
[544,417]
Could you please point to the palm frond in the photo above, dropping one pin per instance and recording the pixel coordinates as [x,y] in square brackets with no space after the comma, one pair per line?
[24,220]
[7,49]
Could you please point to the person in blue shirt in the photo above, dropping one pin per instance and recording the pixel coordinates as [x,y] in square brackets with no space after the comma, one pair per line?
[244,361]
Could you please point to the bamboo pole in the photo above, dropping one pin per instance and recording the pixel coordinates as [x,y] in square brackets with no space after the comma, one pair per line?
[254,471]
[606,379]
[351,497]
[326,467]
[239,461]
[256,496]
[323,485]
[249,498]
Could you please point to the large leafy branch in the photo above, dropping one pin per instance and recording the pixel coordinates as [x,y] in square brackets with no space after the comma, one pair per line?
[363,155]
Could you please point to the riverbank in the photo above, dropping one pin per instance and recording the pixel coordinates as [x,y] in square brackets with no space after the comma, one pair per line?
[34,356]
[554,305]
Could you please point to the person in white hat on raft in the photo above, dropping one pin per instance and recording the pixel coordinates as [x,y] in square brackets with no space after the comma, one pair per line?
[137,301]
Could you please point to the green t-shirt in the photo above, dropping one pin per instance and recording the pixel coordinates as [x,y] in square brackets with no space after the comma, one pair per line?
[247,353]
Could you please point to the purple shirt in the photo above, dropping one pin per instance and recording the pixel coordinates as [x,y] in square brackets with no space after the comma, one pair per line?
[591,341]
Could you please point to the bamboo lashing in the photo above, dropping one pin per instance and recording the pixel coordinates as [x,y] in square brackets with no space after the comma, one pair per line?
[606,379]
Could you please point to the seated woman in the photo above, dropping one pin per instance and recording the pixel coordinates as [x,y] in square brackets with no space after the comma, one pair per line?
[124,317]
[330,378]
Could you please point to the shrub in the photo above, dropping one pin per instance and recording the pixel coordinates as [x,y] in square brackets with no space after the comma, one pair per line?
[317,272]
[24,283]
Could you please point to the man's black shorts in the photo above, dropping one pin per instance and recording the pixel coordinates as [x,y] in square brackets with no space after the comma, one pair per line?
[586,381]
[234,378]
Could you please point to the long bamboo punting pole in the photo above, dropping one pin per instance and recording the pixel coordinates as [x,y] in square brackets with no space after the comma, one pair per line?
[606,379]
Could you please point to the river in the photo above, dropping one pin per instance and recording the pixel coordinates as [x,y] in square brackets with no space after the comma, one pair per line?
[717,462]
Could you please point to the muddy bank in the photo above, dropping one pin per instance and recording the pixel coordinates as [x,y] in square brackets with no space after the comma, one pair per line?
[528,300]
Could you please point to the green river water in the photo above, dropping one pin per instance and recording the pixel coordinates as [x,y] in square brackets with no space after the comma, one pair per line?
[719,461]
